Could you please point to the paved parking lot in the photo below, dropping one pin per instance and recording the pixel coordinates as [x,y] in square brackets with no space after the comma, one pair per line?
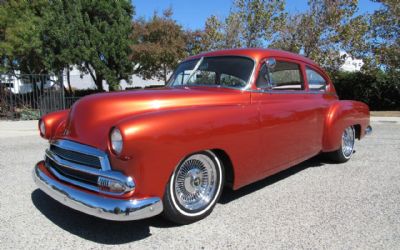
[313,205]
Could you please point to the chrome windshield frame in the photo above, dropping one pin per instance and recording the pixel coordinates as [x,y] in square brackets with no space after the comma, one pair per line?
[246,87]
[196,67]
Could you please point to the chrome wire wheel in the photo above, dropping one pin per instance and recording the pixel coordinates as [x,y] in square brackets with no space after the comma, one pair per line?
[348,139]
[196,184]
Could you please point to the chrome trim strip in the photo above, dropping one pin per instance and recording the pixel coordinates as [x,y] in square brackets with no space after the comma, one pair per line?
[96,205]
[303,92]
[252,76]
[196,67]
[81,184]
[118,176]
[84,149]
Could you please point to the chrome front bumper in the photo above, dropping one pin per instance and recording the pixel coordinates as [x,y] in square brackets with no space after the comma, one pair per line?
[97,205]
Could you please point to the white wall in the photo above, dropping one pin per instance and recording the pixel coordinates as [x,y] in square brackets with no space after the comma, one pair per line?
[351,64]
[84,81]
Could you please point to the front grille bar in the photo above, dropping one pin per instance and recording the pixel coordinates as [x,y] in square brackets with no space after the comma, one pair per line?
[84,159]
[85,150]
[63,165]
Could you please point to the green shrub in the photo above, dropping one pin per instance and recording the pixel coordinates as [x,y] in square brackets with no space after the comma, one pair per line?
[380,91]
[29,114]
[83,92]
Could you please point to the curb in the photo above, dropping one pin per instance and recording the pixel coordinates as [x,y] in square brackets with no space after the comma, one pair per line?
[385,119]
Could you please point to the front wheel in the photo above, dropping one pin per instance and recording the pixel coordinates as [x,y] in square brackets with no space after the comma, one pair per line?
[346,149]
[194,188]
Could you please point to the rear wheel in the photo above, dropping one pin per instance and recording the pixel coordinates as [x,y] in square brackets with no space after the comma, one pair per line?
[194,188]
[346,149]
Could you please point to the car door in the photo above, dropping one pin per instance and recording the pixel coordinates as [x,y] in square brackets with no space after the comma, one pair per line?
[290,126]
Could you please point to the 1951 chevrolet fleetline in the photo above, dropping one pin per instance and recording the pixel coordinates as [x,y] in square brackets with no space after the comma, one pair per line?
[226,118]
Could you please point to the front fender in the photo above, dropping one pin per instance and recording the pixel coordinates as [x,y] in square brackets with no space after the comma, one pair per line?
[53,122]
[340,115]
[156,142]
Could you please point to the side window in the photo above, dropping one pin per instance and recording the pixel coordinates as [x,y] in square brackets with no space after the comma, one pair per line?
[286,76]
[315,81]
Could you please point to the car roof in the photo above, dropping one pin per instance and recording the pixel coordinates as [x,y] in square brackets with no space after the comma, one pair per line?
[255,53]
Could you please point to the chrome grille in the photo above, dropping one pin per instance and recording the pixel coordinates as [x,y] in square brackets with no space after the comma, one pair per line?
[70,173]
[77,157]
[85,166]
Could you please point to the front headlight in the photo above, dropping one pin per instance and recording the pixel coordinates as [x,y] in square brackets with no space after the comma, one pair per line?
[42,127]
[116,141]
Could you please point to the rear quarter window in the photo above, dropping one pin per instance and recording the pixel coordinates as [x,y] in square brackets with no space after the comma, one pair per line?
[316,82]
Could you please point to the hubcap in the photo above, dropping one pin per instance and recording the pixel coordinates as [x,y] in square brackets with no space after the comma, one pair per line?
[348,142]
[196,182]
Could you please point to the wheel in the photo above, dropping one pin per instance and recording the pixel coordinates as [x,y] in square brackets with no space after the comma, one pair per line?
[194,188]
[346,149]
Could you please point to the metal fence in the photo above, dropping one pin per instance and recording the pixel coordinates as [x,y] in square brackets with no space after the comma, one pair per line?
[27,96]
[70,100]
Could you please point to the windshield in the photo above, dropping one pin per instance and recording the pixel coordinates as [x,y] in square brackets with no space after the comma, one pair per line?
[224,71]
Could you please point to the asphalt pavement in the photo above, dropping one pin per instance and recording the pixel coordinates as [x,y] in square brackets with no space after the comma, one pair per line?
[314,205]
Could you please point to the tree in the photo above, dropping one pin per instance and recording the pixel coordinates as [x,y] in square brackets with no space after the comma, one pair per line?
[320,33]
[385,43]
[213,34]
[194,42]
[160,46]
[216,35]
[232,31]
[20,41]
[259,20]
[102,29]
[92,35]
[59,43]
[290,36]
[250,23]
[46,36]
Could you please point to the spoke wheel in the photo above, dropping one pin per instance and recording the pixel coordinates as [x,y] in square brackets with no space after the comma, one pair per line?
[195,182]
[194,188]
[346,149]
[348,139]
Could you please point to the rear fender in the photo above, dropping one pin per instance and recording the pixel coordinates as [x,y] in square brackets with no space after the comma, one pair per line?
[340,115]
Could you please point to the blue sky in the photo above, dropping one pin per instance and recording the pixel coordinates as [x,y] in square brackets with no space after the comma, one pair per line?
[192,14]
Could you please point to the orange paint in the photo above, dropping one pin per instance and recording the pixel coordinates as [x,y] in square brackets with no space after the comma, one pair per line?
[261,132]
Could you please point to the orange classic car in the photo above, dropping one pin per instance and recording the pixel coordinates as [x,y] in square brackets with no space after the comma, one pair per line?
[225,118]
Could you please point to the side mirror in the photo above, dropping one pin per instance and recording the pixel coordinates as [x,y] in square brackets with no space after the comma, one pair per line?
[270,63]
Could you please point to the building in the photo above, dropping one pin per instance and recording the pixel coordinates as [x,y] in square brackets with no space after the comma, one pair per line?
[84,81]
[25,83]
[351,64]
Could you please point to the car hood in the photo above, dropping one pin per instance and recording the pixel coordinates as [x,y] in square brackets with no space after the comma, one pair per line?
[91,118]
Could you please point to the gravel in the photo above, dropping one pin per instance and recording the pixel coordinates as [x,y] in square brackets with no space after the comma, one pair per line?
[314,205]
